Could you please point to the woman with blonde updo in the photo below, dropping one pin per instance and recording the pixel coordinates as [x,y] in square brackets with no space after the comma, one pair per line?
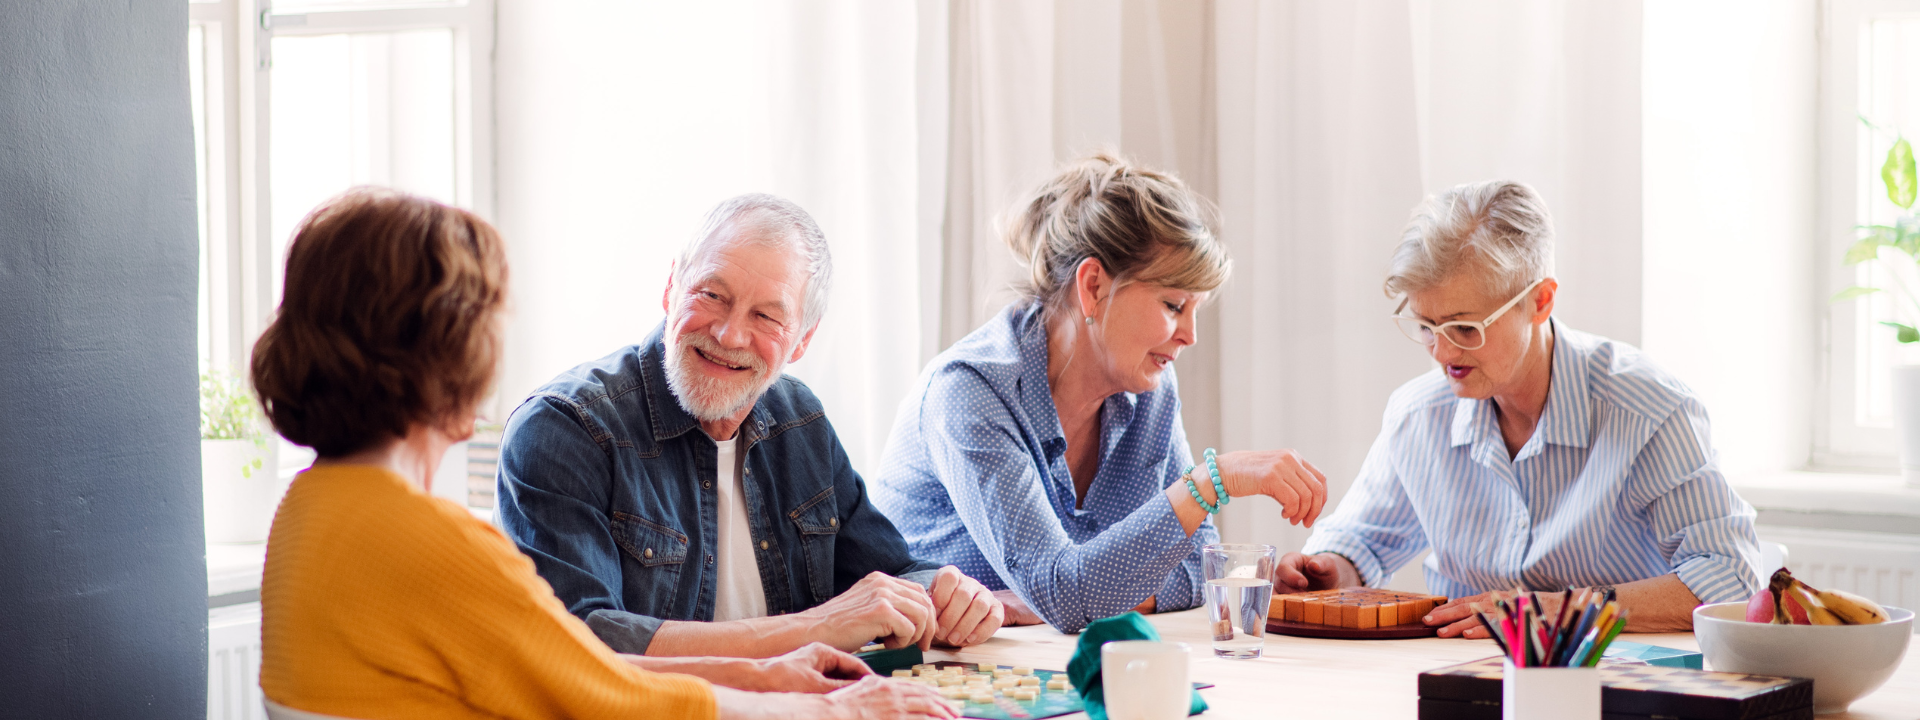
[1043,454]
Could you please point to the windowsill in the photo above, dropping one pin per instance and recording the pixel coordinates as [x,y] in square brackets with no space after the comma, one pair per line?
[1837,501]
[1854,493]
[233,572]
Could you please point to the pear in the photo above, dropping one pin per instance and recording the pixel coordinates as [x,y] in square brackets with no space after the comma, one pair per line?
[1760,608]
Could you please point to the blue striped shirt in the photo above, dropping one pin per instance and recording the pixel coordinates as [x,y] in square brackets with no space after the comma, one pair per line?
[975,475]
[1618,483]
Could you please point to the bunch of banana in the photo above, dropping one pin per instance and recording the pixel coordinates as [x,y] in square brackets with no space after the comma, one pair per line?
[1787,601]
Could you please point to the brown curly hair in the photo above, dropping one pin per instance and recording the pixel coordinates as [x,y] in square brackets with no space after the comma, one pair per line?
[387,322]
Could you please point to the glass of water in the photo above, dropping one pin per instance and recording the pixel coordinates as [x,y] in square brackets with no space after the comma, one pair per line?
[1239,591]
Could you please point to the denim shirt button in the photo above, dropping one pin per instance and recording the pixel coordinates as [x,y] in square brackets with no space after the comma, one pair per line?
[709,559]
[833,522]
[648,553]
[763,544]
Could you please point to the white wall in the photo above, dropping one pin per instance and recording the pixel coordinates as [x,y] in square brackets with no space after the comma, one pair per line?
[1729,200]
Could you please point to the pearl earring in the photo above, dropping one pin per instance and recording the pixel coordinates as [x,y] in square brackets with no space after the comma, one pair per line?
[1089,319]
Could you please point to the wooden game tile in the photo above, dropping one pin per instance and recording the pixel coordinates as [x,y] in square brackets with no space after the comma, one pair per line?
[1293,609]
[1408,610]
[1313,611]
[1349,614]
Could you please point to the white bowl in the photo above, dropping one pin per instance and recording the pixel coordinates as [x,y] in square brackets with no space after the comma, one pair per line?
[1845,661]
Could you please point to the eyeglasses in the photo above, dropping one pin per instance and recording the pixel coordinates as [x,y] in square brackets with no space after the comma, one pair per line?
[1464,334]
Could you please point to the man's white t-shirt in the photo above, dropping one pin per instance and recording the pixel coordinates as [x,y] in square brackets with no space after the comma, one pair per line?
[737,591]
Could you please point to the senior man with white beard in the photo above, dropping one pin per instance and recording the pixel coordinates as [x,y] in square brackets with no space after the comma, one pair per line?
[683,497]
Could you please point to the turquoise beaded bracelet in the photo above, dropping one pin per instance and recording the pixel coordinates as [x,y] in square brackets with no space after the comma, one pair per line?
[1219,488]
[1195,490]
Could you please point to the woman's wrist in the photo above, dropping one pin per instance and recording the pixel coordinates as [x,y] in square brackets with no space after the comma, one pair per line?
[1198,488]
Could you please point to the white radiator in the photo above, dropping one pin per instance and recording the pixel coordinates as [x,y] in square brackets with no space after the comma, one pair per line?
[233,663]
[1880,566]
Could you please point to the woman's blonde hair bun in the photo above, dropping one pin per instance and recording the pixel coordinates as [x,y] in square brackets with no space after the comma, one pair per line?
[1140,224]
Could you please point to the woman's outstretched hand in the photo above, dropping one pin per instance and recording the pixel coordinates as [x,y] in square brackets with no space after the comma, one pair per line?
[1283,475]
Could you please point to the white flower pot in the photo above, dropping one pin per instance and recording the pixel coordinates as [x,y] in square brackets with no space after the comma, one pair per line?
[1906,420]
[240,487]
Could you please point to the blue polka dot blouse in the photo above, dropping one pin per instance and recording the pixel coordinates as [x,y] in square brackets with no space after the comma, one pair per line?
[975,476]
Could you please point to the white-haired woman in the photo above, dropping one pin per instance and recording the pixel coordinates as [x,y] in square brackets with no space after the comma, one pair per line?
[1535,456]
[1043,453]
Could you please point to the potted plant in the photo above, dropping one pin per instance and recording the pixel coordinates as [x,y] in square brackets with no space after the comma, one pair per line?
[240,483]
[1895,248]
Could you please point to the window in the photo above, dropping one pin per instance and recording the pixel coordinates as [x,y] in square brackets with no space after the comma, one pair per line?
[296,102]
[1872,72]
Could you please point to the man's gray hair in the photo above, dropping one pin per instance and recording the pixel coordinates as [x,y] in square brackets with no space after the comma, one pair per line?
[770,220]
[1497,230]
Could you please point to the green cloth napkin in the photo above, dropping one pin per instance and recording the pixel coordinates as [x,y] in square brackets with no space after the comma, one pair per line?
[1084,668]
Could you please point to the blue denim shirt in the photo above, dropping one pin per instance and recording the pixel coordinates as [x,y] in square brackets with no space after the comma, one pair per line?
[607,483]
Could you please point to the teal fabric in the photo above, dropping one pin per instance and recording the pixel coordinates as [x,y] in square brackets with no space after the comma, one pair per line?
[1084,668]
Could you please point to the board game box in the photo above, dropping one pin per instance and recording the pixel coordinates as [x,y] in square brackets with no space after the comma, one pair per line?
[1471,691]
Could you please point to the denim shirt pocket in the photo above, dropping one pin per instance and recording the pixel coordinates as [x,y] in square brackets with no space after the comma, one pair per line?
[651,568]
[818,521]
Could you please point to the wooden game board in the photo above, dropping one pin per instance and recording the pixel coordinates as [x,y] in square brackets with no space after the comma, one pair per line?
[1356,613]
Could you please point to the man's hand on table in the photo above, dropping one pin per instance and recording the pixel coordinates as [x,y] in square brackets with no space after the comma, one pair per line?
[968,613]
[1301,573]
[898,612]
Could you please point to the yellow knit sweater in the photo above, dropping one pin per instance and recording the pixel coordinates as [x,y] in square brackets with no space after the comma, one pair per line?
[382,602]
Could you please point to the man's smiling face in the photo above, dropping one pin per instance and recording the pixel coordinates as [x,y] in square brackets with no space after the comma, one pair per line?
[734,325]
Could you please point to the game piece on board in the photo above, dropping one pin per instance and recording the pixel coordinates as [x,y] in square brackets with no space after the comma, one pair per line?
[988,667]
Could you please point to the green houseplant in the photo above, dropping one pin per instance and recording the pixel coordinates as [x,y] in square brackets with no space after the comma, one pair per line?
[239,482]
[1895,247]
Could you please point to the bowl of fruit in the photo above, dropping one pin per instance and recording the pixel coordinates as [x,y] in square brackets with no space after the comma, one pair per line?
[1847,644]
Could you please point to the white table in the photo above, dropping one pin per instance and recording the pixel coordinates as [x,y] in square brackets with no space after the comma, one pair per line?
[1344,679]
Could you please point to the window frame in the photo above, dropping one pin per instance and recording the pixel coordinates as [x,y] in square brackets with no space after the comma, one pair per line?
[1840,440]
[239,38]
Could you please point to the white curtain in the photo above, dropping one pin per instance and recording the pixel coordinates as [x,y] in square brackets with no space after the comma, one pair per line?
[1334,119]
[621,124]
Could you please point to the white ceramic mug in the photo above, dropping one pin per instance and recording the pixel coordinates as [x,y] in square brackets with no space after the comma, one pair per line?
[1145,680]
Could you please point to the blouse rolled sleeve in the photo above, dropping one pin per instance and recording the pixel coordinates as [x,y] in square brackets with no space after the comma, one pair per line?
[1705,529]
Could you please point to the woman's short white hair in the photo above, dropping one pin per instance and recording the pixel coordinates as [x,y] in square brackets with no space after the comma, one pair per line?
[770,220]
[1497,230]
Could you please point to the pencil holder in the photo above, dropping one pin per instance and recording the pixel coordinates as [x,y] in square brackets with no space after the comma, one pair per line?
[1550,693]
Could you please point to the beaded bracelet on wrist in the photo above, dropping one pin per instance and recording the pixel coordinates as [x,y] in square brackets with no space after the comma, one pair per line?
[1195,490]
[1219,488]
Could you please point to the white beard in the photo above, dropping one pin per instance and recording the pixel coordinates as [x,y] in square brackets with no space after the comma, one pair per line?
[710,399]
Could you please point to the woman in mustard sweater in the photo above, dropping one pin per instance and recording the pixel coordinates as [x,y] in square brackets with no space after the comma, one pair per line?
[380,601]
